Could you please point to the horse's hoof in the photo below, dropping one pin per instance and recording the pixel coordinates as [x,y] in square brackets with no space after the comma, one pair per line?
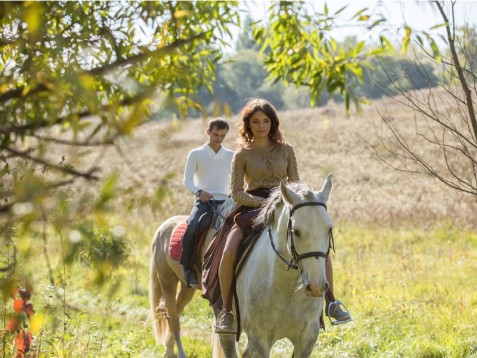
[165,355]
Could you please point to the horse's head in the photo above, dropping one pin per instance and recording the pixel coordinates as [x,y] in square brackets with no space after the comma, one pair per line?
[308,238]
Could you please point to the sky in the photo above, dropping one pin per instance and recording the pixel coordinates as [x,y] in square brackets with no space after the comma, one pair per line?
[419,15]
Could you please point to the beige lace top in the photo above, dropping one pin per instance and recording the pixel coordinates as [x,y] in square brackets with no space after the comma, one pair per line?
[254,168]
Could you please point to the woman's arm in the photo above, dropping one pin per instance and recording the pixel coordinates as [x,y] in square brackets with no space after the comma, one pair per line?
[237,183]
[292,165]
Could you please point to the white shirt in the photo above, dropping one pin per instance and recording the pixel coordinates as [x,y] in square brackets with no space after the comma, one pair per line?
[209,171]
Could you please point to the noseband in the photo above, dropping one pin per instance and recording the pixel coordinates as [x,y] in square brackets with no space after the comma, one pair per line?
[296,257]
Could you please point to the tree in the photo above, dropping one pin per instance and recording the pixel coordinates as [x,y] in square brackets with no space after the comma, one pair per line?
[386,73]
[302,51]
[445,118]
[81,74]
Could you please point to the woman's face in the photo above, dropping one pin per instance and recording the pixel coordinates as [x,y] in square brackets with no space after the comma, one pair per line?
[260,125]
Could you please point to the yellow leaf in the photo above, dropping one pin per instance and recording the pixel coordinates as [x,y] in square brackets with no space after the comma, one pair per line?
[4,88]
[36,322]
[228,110]
[181,13]
[33,17]
[28,88]
[135,118]
[87,81]
[216,109]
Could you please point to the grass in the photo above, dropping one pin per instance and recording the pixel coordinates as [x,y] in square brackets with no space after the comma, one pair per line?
[411,293]
[405,261]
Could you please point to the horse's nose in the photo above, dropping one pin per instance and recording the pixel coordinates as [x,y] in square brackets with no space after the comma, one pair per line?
[316,291]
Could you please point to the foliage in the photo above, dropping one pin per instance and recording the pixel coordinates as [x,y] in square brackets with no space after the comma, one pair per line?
[79,75]
[67,61]
[302,51]
[18,323]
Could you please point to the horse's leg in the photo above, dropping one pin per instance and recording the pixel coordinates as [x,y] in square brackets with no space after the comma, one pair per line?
[227,342]
[169,289]
[256,348]
[303,351]
[223,345]
[185,296]
[303,347]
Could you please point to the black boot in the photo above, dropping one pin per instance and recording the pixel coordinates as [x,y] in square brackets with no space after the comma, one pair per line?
[190,278]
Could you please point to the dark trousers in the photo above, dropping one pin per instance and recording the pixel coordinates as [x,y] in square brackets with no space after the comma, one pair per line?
[192,232]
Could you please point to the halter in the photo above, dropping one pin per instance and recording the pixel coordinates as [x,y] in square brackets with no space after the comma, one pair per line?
[296,257]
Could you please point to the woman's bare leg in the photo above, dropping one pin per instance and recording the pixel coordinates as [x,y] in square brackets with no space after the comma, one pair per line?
[226,268]
[329,275]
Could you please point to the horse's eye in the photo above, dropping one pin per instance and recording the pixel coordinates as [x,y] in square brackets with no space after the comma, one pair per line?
[296,232]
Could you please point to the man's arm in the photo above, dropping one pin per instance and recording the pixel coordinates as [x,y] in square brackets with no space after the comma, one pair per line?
[189,171]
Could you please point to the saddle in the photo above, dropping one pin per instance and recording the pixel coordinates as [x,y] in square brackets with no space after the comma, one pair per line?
[175,244]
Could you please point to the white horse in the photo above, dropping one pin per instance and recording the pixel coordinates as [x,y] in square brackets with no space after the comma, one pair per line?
[281,284]
[164,276]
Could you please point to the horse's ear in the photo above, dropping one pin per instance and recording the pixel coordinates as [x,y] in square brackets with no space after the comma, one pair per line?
[288,195]
[326,189]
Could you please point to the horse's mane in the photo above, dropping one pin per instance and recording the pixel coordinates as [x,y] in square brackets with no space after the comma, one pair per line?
[223,210]
[275,199]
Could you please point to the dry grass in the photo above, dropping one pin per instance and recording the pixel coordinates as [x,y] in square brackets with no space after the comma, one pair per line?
[325,140]
[406,244]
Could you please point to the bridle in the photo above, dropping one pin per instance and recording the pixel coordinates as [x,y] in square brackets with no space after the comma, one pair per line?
[296,257]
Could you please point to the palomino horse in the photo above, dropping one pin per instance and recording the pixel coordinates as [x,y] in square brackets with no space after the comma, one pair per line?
[164,276]
[281,284]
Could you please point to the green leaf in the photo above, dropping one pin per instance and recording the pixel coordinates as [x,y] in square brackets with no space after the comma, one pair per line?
[438,26]
[358,14]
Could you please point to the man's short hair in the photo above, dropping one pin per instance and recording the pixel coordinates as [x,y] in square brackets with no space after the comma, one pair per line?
[218,123]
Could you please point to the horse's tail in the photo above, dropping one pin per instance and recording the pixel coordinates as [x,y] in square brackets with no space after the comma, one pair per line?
[158,310]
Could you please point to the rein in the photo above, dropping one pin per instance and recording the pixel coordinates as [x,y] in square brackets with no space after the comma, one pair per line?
[214,208]
[296,257]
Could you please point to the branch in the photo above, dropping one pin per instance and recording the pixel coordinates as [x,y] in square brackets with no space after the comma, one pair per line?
[11,266]
[89,175]
[86,113]
[6,208]
[462,80]
[17,92]
[86,143]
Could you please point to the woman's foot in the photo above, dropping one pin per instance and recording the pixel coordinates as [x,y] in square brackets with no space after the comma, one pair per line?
[225,323]
[337,313]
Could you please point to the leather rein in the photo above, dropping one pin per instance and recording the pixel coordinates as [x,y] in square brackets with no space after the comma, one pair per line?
[296,257]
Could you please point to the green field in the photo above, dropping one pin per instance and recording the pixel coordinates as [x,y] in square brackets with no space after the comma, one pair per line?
[411,293]
[405,261]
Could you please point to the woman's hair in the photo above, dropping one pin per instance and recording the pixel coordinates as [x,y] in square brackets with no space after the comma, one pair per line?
[258,104]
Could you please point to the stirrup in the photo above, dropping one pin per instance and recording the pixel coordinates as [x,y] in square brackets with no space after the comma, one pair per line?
[344,309]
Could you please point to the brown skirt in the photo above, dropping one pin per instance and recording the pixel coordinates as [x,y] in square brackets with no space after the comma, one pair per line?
[242,216]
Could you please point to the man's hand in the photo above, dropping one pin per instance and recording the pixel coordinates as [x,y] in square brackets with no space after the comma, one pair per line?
[205,196]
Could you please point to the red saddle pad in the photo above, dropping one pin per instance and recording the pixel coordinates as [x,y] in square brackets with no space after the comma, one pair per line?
[175,245]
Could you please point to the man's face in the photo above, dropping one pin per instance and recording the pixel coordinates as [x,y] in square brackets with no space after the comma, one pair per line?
[216,136]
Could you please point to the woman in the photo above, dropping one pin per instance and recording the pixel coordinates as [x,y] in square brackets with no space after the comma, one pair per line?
[263,160]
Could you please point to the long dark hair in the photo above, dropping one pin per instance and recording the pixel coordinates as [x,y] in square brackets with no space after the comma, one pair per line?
[259,104]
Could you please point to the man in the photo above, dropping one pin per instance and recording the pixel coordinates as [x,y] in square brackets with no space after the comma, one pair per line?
[207,176]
